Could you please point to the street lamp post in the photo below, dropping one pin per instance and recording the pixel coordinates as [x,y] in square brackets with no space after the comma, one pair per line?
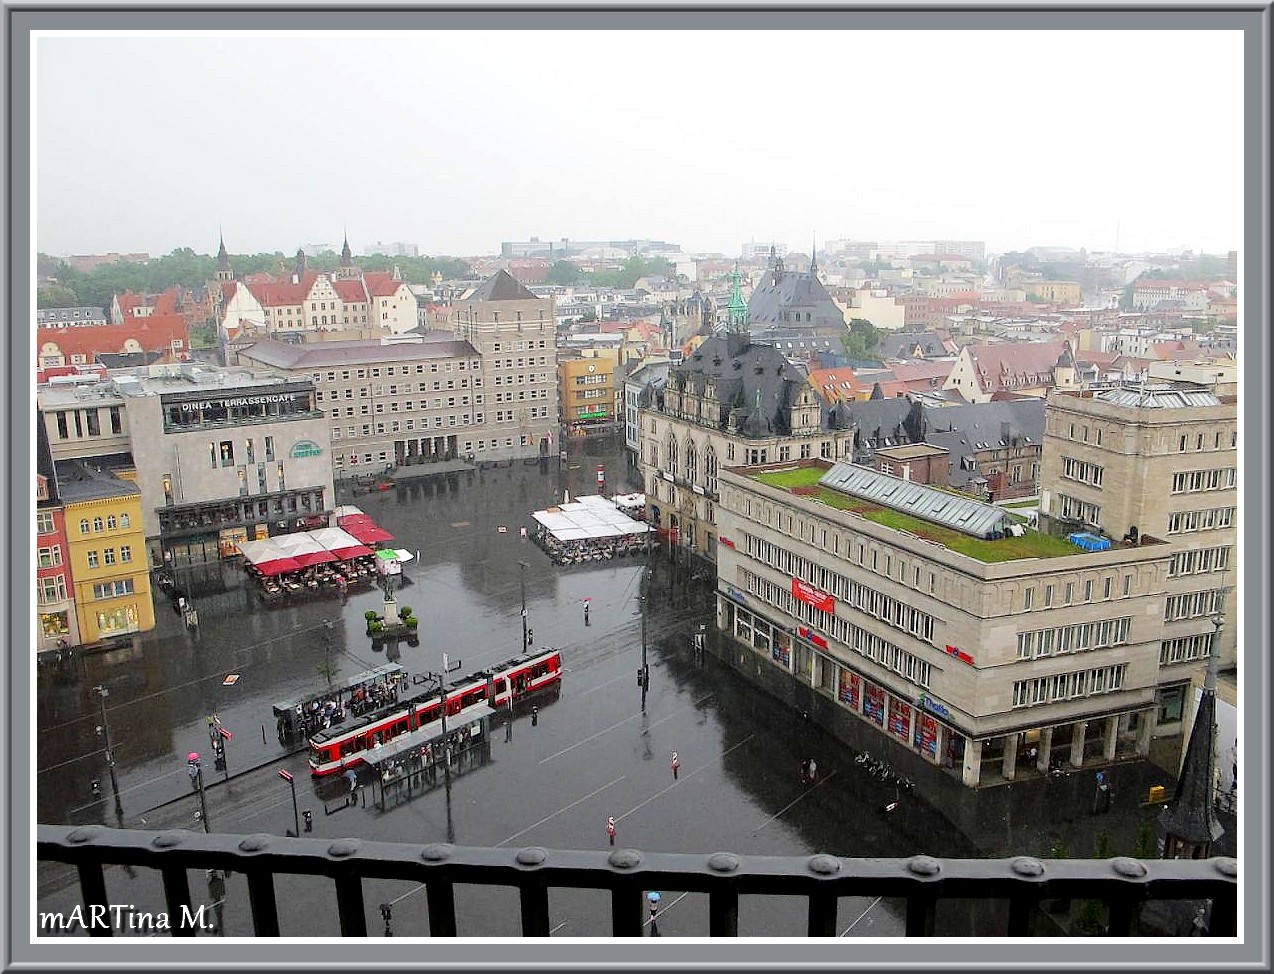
[643,675]
[103,692]
[195,769]
[296,815]
[522,569]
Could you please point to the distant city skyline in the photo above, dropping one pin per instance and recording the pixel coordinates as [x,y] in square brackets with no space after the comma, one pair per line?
[1014,138]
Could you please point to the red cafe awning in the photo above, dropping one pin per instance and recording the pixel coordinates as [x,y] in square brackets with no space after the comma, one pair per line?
[279,566]
[308,558]
[364,529]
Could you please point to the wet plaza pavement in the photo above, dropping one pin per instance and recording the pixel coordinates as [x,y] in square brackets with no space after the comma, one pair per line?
[591,753]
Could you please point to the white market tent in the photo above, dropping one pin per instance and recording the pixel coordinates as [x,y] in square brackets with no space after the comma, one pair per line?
[588,518]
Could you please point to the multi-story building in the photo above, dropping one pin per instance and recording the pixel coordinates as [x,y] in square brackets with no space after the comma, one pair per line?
[640,386]
[731,401]
[57,623]
[794,300]
[590,393]
[1163,462]
[106,546]
[69,317]
[1020,368]
[939,621]
[310,306]
[514,335]
[217,455]
[488,389]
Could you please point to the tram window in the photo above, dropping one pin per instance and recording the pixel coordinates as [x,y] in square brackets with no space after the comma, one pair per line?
[348,747]
[500,686]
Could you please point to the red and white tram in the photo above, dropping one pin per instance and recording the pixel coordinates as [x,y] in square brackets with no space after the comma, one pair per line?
[339,748]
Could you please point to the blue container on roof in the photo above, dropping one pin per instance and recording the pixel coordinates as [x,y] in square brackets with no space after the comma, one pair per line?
[1089,542]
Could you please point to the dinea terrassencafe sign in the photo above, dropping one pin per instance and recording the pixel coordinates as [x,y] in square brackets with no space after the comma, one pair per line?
[811,596]
[305,448]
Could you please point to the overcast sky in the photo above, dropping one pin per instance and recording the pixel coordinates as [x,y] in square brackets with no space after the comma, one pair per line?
[455,141]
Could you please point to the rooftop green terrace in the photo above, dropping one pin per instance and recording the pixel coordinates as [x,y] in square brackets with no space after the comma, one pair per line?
[804,482]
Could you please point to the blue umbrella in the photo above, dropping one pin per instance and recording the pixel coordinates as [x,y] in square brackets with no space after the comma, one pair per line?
[653,896]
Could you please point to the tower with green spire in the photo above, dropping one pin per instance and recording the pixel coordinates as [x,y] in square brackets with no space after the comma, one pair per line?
[737,332]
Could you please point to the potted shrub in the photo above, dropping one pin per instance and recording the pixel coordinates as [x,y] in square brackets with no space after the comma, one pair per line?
[404,611]
[411,622]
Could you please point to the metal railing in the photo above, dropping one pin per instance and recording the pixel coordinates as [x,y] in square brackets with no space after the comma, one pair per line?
[921,881]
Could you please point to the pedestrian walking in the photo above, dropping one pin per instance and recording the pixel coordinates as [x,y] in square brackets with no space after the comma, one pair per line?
[805,769]
[652,899]
[586,612]
[610,828]
[812,769]
[676,765]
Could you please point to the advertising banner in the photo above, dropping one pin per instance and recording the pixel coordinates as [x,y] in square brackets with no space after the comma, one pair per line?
[849,690]
[811,596]
[874,704]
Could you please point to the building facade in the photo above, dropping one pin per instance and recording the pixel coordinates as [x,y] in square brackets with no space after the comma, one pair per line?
[590,393]
[57,623]
[106,546]
[1163,462]
[976,653]
[514,334]
[217,455]
[730,402]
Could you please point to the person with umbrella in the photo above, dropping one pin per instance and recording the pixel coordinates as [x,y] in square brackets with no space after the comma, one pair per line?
[652,900]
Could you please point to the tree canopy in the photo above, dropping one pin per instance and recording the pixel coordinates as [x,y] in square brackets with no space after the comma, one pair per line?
[184,267]
[861,338]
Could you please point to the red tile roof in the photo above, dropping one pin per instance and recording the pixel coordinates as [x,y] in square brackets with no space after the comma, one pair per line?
[1012,364]
[350,291]
[128,302]
[381,284]
[153,333]
[838,385]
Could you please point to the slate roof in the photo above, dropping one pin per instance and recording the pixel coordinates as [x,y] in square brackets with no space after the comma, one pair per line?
[755,387]
[77,481]
[967,429]
[792,291]
[877,420]
[1010,365]
[905,344]
[501,286]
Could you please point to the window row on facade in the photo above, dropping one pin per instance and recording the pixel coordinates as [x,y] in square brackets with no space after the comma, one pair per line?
[87,422]
[1073,639]
[1083,471]
[1185,648]
[1194,481]
[1199,560]
[1183,522]
[864,642]
[1069,686]
[1192,605]
[893,612]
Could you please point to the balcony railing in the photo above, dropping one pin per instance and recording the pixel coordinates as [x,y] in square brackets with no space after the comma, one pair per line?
[921,881]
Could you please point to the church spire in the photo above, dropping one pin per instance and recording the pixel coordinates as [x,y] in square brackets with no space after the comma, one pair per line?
[1189,822]
[224,271]
[347,257]
[813,256]
[737,313]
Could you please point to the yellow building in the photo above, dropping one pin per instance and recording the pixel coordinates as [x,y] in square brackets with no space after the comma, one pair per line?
[590,392]
[1064,294]
[106,546]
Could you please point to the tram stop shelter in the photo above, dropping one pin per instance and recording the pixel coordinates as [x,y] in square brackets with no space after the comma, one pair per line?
[294,717]
[409,765]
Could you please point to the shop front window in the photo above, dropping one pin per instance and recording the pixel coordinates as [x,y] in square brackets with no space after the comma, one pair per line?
[54,624]
[122,619]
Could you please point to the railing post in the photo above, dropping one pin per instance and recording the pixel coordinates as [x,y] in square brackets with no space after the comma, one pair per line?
[625,912]
[177,898]
[822,918]
[93,889]
[265,911]
[920,914]
[349,904]
[441,896]
[723,913]
[535,909]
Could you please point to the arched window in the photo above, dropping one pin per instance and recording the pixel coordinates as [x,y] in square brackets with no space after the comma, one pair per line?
[670,455]
[111,523]
[692,462]
[710,470]
[97,524]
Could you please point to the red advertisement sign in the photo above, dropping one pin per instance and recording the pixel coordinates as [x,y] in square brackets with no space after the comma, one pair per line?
[874,704]
[849,689]
[960,654]
[900,719]
[927,734]
[811,596]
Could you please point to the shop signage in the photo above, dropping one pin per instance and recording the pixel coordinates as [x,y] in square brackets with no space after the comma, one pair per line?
[780,653]
[305,448]
[928,703]
[927,735]
[874,704]
[812,636]
[202,404]
[900,719]
[734,593]
[850,689]
[811,596]
[960,654]
[594,414]
[722,539]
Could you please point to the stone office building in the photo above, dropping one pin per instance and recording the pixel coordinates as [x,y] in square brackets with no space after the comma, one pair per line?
[939,621]
[219,455]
